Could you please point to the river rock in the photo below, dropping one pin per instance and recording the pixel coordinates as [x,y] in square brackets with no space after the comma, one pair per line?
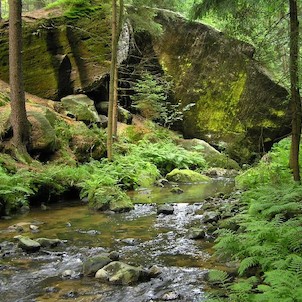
[93,264]
[165,209]
[196,233]
[121,273]
[154,271]
[186,176]
[28,244]
[45,242]
[114,256]
[210,217]
[170,296]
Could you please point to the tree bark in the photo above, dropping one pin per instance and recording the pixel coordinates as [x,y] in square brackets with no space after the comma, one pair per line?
[114,42]
[0,10]
[295,100]
[120,22]
[18,117]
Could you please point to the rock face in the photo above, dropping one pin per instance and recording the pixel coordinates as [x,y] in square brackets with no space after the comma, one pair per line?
[237,105]
[61,55]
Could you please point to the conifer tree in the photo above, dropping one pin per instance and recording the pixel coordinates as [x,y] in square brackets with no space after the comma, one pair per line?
[18,117]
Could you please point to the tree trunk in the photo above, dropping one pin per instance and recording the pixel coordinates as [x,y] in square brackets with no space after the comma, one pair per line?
[111,84]
[0,10]
[295,101]
[115,103]
[18,117]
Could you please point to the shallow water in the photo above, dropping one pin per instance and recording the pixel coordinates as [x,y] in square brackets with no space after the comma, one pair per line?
[141,237]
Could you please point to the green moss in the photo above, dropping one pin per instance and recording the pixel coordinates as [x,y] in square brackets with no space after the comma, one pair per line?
[186,176]
[84,41]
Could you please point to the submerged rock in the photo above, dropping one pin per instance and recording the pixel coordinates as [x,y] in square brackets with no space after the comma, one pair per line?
[186,176]
[121,273]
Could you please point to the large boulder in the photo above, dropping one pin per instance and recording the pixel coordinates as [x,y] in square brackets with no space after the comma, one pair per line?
[43,135]
[60,55]
[237,105]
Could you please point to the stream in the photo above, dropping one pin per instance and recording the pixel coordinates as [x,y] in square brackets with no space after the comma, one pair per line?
[141,237]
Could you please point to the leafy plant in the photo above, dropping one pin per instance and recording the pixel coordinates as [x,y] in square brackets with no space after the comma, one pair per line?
[14,189]
[167,156]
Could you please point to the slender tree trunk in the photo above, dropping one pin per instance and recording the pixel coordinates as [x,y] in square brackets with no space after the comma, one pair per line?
[295,100]
[18,117]
[111,84]
[0,10]
[115,103]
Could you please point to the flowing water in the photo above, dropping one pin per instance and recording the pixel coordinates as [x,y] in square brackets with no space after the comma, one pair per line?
[141,237]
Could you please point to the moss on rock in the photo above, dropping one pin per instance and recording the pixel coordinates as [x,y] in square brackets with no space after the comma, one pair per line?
[186,176]
[233,96]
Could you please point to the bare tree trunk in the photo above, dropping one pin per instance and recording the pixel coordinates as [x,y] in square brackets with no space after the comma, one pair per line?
[295,101]
[111,84]
[0,10]
[115,103]
[18,117]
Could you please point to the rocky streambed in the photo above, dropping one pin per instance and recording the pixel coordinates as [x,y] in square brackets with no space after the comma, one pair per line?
[172,248]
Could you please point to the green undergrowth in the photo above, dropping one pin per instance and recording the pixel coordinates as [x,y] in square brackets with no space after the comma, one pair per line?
[268,243]
[78,8]
[102,182]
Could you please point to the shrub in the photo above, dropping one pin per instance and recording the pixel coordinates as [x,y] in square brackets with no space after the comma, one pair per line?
[272,169]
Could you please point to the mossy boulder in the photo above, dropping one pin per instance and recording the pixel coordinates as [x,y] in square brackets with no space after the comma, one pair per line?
[81,107]
[237,104]
[186,176]
[43,136]
[118,272]
[213,157]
